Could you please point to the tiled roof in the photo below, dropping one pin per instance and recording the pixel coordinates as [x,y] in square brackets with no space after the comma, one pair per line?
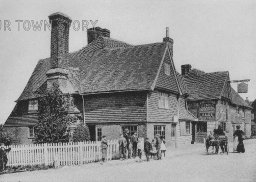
[237,99]
[201,85]
[21,121]
[105,65]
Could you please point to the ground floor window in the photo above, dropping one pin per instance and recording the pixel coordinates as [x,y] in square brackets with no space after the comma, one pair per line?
[159,129]
[202,127]
[99,134]
[132,129]
[31,132]
[187,127]
[223,126]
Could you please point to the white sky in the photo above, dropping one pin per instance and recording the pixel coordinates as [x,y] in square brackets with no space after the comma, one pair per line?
[211,35]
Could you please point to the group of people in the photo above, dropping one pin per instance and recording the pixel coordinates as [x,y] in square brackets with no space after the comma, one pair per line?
[133,146]
[238,138]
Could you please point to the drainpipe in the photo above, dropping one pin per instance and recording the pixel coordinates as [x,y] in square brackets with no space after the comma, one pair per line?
[83,109]
[176,144]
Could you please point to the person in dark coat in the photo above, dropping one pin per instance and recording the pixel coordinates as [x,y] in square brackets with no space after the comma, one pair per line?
[104,148]
[158,146]
[128,140]
[147,148]
[122,146]
[3,157]
[240,134]
[134,140]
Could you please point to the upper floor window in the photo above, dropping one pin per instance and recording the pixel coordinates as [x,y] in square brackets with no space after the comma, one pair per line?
[167,69]
[163,101]
[33,105]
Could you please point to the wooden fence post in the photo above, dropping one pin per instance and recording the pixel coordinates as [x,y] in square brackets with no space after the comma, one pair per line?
[45,154]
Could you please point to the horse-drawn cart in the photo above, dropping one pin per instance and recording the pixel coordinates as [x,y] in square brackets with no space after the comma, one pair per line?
[217,142]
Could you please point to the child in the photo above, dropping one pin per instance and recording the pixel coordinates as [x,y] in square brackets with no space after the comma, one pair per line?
[140,147]
[147,148]
[163,147]
[104,148]
[153,150]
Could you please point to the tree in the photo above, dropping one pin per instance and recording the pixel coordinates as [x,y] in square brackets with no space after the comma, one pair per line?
[5,136]
[53,117]
[81,133]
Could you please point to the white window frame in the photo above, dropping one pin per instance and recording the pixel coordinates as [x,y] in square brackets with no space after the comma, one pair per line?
[187,126]
[163,101]
[160,129]
[32,105]
[167,69]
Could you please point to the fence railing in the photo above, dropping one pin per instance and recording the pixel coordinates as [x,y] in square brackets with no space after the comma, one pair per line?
[75,153]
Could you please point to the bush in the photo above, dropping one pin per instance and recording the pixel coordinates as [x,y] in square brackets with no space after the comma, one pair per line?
[81,133]
[5,136]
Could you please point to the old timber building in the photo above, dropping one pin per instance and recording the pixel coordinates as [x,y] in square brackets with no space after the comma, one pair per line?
[115,85]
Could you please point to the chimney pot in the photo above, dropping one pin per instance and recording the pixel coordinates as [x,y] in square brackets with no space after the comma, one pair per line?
[185,69]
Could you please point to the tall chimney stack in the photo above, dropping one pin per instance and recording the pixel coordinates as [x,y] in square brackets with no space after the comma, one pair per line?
[59,37]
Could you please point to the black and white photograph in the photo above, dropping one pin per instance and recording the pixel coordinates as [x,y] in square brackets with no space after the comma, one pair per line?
[128,91]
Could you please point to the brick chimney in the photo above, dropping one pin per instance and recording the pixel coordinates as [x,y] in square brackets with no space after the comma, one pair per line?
[185,69]
[59,37]
[94,33]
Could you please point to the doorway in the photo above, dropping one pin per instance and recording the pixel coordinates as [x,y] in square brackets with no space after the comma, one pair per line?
[92,132]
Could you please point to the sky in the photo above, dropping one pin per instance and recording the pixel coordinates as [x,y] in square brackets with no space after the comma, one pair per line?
[211,35]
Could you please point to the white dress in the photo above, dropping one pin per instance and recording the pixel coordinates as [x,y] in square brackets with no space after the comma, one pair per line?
[163,147]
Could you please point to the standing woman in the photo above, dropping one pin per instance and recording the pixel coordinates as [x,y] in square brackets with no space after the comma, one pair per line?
[240,135]
[104,148]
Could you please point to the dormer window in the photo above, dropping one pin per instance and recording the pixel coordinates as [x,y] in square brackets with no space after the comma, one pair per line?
[33,106]
[167,69]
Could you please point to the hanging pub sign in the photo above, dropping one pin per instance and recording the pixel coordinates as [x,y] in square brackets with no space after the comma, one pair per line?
[207,110]
[242,87]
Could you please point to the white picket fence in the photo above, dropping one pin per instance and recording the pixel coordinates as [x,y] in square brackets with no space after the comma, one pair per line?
[75,153]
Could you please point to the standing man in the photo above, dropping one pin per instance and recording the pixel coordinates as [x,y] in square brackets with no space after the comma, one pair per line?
[240,134]
[134,140]
[128,141]
[158,146]
[122,146]
[104,148]
[147,148]
[3,157]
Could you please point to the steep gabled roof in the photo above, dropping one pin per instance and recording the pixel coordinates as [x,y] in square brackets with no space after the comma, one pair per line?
[105,65]
[202,85]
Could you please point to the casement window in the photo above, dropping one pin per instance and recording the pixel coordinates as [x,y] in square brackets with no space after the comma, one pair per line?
[99,134]
[159,129]
[223,126]
[167,69]
[163,101]
[187,127]
[132,129]
[33,105]
[31,132]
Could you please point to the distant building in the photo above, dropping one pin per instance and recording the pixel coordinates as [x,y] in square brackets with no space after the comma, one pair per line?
[214,102]
[253,105]
[114,85]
